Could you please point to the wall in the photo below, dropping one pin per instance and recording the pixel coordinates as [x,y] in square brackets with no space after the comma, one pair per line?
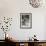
[13,8]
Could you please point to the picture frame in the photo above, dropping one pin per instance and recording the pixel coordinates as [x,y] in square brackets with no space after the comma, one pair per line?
[25,20]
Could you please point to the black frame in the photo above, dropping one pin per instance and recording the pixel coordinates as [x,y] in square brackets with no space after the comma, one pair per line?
[29,17]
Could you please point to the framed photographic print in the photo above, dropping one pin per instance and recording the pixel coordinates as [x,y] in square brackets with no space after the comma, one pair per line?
[26,20]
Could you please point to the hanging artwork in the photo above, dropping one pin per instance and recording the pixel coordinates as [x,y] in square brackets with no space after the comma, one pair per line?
[36,3]
[26,20]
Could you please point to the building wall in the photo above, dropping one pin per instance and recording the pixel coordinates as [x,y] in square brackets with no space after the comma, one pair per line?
[13,8]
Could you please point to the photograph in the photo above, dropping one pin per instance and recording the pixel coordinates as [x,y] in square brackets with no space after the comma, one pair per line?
[26,20]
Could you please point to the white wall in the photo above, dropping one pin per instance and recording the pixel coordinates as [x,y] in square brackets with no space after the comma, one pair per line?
[13,8]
